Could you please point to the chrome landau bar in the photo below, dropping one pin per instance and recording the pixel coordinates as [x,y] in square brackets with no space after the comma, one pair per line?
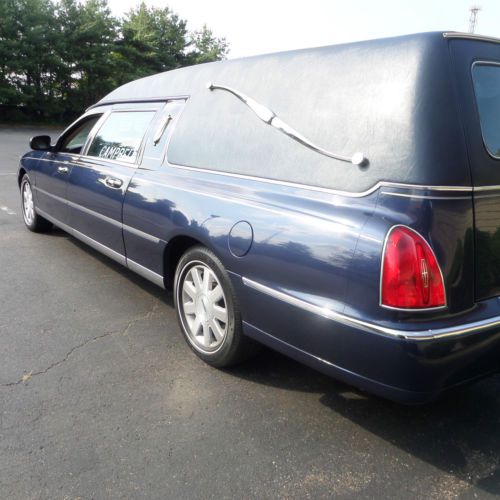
[270,118]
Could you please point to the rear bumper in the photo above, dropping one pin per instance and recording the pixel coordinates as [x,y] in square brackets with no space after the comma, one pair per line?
[414,374]
[410,366]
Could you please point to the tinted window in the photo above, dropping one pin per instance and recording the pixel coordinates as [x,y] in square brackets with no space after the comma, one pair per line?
[120,137]
[487,89]
[75,140]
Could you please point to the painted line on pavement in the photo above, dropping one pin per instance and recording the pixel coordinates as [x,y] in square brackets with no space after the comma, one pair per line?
[7,210]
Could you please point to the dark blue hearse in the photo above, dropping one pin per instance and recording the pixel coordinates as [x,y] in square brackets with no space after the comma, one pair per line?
[339,204]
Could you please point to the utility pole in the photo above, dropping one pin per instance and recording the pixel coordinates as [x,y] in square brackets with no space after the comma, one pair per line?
[473,18]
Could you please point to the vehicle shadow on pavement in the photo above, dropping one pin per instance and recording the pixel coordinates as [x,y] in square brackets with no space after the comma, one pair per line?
[59,233]
[163,295]
[459,434]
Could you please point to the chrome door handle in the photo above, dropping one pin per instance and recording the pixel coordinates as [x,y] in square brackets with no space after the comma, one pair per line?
[113,182]
[63,170]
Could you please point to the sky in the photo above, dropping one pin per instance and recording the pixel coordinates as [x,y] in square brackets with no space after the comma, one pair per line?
[263,26]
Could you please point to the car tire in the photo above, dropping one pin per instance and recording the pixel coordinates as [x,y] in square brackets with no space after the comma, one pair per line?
[208,311]
[33,221]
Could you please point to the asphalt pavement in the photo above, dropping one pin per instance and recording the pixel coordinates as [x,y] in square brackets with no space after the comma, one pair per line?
[101,398]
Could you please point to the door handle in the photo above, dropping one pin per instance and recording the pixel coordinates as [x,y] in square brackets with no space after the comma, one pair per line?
[114,183]
[63,170]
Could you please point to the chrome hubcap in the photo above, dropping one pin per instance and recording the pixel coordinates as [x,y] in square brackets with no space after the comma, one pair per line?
[204,308]
[28,205]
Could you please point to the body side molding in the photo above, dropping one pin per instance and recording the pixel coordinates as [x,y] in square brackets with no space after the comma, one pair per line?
[429,334]
[157,279]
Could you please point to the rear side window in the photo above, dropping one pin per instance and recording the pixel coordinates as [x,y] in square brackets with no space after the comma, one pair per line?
[120,136]
[486,78]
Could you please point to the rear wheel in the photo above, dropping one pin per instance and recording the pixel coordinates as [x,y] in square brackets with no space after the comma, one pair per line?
[207,310]
[33,221]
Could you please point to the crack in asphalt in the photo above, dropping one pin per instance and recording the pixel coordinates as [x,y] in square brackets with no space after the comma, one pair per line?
[28,376]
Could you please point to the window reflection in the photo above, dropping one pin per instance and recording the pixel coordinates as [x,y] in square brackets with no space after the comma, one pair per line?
[120,136]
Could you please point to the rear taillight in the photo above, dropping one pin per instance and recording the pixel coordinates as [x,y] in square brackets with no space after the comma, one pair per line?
[411,277]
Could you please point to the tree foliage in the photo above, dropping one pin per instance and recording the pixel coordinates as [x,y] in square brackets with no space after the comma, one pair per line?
[57,57]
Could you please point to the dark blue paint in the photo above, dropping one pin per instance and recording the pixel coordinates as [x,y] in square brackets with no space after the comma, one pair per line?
[321,247]
[325,249]
[240,238]
[88,190]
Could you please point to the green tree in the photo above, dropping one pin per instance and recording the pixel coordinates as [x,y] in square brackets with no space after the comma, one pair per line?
[31,61]
[59,56]
[153,40]
[69,53]
[206,47]
[8,92]
[92,43]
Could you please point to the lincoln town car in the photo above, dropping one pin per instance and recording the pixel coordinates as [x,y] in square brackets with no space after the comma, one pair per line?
[339,204]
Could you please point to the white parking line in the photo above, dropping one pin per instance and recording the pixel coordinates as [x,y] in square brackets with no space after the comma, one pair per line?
[7,210]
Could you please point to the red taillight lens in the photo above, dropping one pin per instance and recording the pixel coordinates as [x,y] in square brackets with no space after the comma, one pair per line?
[411,278]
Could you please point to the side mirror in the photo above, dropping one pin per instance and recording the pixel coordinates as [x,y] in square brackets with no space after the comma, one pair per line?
[41,143]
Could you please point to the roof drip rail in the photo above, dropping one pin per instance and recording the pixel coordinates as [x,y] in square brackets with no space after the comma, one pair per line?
[270,118]
[470,36]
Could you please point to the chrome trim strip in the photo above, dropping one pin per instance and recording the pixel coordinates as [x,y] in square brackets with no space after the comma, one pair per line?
[156,278]
[269,117]
[351,194]
[135,101]
[242,201]
[470,36]
[83,209]
[414,335]
[141,234]
[93,132]
[486,188]
[109,220]
[112,254]
[54,196]
[378,185]
[97,215]
[423,197]
[73,124]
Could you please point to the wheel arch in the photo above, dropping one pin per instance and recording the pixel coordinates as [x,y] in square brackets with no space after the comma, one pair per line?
[20,175]
[173,252]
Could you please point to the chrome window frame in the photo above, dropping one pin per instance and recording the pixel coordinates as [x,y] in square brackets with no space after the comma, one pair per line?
[71,126]
[172,125]
[100,123]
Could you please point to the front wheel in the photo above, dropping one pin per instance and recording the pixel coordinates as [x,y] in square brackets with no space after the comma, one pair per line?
[33,221]
[207,310]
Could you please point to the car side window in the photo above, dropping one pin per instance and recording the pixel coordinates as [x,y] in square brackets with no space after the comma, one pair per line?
[75,140]
[486,78]
[120,136]
[158,138]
